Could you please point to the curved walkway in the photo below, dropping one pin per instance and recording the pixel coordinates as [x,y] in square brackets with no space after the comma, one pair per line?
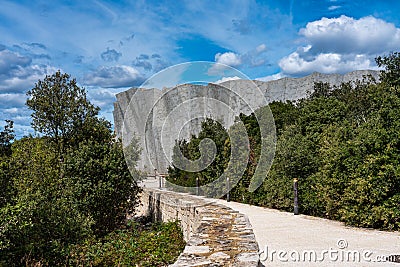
[285,239]
[288,240]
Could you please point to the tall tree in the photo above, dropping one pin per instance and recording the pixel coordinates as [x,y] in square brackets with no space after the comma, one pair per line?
[60,107]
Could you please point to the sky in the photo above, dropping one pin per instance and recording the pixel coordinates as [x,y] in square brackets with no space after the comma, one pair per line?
[110,46]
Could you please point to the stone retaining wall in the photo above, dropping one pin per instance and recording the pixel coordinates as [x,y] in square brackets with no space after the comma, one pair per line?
[216,235]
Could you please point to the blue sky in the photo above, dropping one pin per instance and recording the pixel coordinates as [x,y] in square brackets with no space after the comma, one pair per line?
[109,46]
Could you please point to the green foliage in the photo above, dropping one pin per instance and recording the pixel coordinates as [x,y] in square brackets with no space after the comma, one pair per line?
[60,203]
[43,215]
[60,109]
[71,185]
[103,186]
[6,138]
[158,245]
[391,63]
[210,129]
[341,143]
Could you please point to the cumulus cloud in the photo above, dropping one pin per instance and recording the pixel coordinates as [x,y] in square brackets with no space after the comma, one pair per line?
[150,63]
[18,74]
[252,58]
[102,97]
[223,60]
[325,63]
[10,61]
[366,35]
[273,77]
[12,100]
[111,55]
[225,79]
[228,58]
[255,57]
[339,45]
[114,77]
[36,51]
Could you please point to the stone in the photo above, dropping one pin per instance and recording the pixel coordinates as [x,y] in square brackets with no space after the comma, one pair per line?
[248,257]
[196,249]
[219,255]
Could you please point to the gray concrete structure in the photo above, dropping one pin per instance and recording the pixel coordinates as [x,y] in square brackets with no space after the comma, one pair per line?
[159,117]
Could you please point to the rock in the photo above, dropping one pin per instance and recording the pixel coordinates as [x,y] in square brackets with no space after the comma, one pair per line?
[219,255]
[196,249]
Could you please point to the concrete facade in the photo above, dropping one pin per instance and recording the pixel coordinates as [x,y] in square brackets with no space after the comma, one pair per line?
[159,117]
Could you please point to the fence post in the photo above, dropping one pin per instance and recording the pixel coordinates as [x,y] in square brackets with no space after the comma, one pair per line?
[296,196]
[229,189]
[159,178]
[197,186]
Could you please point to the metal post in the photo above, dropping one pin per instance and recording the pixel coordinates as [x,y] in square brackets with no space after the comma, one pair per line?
[159,179]
[197,186]
[229,189]
[296,196]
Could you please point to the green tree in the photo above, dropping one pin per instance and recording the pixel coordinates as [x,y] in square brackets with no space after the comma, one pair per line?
[67,186]
[103,186]
[6,138]
[391,63]
[43,216]
[210,129]
[60,108]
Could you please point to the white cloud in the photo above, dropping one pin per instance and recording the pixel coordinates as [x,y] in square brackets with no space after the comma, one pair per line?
[252,58]
[10,60]
[294,64]
[223,60]
[12,100]
[331,8]
[22,79]
[225,79]
[228,58]
[114,77]
[102,97]
[18,73]
[261,48]
[111,55]
[340,45]
[273,77]
[366,35]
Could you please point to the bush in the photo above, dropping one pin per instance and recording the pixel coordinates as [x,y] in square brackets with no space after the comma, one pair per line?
[157,245]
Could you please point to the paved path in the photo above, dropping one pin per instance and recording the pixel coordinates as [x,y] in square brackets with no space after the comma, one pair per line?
[301,236]
[299,240]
